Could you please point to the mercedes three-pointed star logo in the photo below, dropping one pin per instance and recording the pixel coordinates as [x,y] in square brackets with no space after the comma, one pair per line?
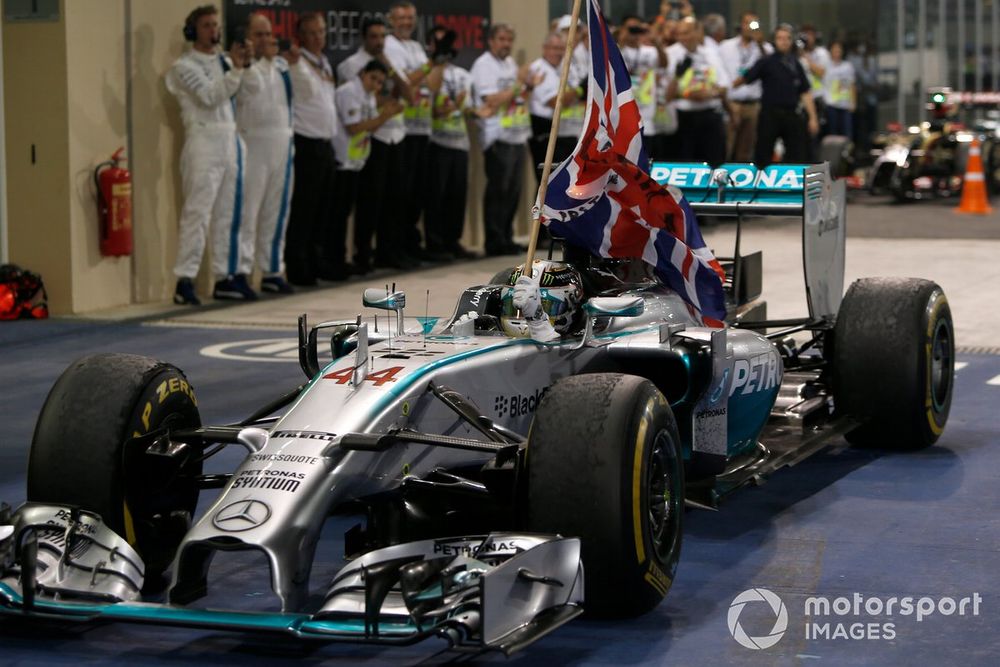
[241,515]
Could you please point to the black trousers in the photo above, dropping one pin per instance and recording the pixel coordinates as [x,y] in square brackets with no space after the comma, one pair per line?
[311,206]
[540,128]
[786,124]
[413,188]
[345,193]
[504,175]
[449,179]
[378,203]
[701,137]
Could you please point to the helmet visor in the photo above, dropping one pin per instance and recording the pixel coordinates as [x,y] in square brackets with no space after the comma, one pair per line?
[553,302]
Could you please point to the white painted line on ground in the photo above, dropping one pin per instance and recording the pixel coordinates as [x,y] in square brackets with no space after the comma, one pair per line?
[995,381]
[959,365]
[284,346]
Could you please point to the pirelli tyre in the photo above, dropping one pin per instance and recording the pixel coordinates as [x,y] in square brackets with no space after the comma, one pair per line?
[893,361]
[604,464]
[79,454]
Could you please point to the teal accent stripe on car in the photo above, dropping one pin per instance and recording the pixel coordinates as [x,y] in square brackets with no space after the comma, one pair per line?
[11,602]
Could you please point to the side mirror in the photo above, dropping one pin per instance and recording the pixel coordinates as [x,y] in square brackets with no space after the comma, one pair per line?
[615,306]
[374,297]
[609,306]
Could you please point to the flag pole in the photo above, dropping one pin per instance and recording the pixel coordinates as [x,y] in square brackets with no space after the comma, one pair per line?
[543,186]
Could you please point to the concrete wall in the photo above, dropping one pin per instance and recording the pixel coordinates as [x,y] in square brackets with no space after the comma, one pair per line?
[36,121]
[95,87]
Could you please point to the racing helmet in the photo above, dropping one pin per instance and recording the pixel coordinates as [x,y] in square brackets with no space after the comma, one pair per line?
[562,298]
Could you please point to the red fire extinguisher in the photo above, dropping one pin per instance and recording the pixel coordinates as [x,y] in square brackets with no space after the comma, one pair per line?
[114,206]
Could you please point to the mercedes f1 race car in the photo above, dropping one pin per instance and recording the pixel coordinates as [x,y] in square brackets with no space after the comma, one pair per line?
[493,471]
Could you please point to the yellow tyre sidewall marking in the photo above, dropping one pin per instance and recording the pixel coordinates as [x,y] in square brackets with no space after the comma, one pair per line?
[640,441]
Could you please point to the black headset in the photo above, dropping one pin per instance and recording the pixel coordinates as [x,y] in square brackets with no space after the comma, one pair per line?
[190,31]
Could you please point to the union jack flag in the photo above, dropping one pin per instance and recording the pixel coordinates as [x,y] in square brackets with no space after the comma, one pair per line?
[602,197]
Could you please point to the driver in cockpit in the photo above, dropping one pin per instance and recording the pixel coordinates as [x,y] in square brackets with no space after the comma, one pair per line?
[544,306]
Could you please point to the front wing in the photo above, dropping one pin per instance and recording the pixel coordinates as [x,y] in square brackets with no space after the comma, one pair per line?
[500,591]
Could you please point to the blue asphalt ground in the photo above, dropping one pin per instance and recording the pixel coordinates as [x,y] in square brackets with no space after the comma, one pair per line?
[845,522]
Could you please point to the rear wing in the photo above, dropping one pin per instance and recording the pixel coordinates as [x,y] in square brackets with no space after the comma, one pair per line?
[802,191]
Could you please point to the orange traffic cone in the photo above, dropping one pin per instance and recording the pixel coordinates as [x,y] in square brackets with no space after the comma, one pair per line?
[974,185]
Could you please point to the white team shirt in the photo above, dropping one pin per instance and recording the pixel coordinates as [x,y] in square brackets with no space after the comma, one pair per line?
[706,69]
[315,116]
[451,131]
[571,117]
[263,105]
[838,80]
[737,58]
[643,63]
[510,125]
[394,131]
[205,90]
[406,56]
[354,105]
[821,57]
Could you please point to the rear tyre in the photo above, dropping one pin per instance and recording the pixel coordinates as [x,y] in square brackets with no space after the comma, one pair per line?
[604,464]
[78,453]
[894,352]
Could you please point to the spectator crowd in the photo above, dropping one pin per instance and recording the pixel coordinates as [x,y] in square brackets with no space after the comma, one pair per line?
[283,151]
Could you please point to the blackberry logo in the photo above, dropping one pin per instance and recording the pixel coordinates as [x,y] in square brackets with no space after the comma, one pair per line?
[500,406]
[518,405]
[780,618]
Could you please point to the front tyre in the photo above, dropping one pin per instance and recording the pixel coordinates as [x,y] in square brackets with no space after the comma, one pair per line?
[78,453]
[894,356]
[604,464]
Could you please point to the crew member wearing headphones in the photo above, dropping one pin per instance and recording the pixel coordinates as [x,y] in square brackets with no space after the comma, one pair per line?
[205,83]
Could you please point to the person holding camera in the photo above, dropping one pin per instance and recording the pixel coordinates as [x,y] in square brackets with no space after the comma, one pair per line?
[380,206]
[785,98]
[643,61]
[815,61]
[264,119]
[738,55]
[314,120]
[407,56]
[504,88]
[448,153]
[204,81]
[699,84]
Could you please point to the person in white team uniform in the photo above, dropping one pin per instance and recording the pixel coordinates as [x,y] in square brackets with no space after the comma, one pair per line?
[358,115]
[815,60]
[499,84]
[379,210]
[407,56]
[699,83]
[205,82]
[264,119]
[839,91]
[315,124]
[738,55]
[643,62]
[543,101]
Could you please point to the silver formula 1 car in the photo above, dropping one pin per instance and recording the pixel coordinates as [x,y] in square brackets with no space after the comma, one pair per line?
[492,471]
